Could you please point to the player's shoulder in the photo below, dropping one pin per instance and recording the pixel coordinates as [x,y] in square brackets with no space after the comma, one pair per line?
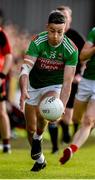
[93,29]
[34,37]
[40,38]
[69,44]
[44,33]
[91,33]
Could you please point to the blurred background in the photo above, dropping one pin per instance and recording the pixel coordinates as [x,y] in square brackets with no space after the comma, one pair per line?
[32,14]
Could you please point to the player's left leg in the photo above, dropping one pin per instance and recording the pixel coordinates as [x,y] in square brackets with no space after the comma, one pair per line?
[5,129]
[82,134]
[36,152]
[79,108]
[53,127]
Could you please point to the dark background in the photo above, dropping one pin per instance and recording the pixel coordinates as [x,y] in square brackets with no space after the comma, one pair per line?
[32,14]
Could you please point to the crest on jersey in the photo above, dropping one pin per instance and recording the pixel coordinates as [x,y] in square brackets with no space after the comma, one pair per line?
[34,37]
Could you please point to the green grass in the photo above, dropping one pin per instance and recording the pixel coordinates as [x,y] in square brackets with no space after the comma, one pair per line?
[18,164]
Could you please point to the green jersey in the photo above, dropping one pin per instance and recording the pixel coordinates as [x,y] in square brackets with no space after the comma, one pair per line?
[49,67]
[89,72]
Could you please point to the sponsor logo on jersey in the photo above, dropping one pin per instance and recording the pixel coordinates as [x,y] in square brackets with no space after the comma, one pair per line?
[49,64]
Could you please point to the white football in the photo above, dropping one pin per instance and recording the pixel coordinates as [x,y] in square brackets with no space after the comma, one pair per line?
[51,108]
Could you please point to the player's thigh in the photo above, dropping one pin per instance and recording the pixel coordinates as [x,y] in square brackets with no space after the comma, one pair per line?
[53,90]
[30,116]
[48,94]
[2,107]
[78,110]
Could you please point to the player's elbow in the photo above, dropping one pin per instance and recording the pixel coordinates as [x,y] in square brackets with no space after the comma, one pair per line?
[82,57]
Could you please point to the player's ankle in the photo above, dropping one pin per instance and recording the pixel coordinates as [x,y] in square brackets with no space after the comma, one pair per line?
[36,136]
[74,148]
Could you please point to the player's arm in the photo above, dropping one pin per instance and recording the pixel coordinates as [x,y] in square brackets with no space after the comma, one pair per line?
[69,73]
[24,75]
[68,76]
[29,60]
[87,51]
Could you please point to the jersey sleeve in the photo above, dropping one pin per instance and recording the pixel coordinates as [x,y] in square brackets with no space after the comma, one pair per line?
[91,36]
[73,59]
[32,50]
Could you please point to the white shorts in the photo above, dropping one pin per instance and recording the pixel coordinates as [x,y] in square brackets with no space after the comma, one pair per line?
[36,94]
[86,90]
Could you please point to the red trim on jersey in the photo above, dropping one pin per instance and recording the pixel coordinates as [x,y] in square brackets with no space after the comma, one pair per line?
[34,37]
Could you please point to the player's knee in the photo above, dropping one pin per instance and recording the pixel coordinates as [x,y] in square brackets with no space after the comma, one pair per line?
[88,120]
[2,114]
[30,129]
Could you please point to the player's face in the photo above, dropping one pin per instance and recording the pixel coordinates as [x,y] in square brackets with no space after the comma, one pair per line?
[68,19]
[55,33]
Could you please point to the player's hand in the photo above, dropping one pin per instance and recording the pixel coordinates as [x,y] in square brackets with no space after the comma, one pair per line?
[77,78]
[23,97]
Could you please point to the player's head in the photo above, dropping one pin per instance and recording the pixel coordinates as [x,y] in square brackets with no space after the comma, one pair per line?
[56,27]
[66,10]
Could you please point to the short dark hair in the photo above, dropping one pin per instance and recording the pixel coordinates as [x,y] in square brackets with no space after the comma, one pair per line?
[56,17]
[63,8]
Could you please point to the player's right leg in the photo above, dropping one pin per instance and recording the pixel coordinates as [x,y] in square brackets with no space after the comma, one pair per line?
[34,138]
[53,132]
[5,129]
[66,119]
[65,122]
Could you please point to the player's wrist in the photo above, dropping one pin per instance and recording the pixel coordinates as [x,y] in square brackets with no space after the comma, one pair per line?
[2,75]
[24,90]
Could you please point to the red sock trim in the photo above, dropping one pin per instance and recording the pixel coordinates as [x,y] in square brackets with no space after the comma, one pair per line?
[73,147]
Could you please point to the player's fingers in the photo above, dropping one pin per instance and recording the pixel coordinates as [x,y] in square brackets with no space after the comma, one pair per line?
[27,96]
[21,104]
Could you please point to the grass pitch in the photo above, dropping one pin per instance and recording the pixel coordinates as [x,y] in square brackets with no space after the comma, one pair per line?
[18,164]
